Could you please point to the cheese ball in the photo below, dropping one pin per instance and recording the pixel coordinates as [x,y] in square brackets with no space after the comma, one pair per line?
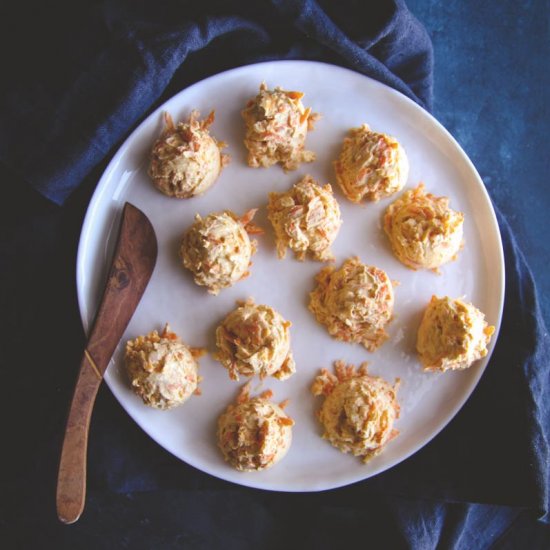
[371,166]
[254,434]
[452,335]
[355,302]
[276,128]
[424,231]
[305,219]
[217,249]
[163,371]
[255,339]
[359,410]
[186,160]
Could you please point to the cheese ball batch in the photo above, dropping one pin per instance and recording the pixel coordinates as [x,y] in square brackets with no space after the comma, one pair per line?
[305,219]
[452,335]
[217,249]
[423,230]
[255,339]
[358,411]
[371,166]
[254,433]
[163,371]
[354,302]
[277,124]
[186,160]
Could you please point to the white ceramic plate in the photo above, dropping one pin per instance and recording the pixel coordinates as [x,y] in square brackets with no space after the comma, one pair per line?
[345,99]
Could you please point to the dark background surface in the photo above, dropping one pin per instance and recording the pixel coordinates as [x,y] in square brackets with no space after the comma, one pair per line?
[491,92]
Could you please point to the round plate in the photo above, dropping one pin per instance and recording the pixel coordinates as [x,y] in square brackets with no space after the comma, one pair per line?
[345,99]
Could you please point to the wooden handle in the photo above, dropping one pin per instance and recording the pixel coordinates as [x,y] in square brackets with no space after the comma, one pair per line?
[71,480]
[132,266]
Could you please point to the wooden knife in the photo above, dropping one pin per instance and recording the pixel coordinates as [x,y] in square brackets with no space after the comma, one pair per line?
[132,266]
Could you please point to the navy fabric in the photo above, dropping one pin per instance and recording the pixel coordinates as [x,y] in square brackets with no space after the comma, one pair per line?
[67,107]
[494,452]
[55,130]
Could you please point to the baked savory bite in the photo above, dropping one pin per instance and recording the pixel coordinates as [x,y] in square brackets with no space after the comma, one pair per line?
[163,371]
[371,166]
[305,219]
[277,124]
[354,302]
[254,433]
[452,335]
[255,339]
[359,410]
[424,231]
[217,249]
[186,160]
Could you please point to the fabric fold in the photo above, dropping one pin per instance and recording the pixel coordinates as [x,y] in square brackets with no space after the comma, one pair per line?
[52,135]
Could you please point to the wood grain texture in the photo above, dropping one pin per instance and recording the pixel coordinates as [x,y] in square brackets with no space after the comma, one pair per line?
[71,484]
[133,263]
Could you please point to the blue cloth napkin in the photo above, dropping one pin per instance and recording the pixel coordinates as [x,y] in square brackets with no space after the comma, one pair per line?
[69,107]
[495,451]
[124,54]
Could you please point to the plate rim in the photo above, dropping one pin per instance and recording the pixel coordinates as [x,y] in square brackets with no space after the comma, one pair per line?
[103,183]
